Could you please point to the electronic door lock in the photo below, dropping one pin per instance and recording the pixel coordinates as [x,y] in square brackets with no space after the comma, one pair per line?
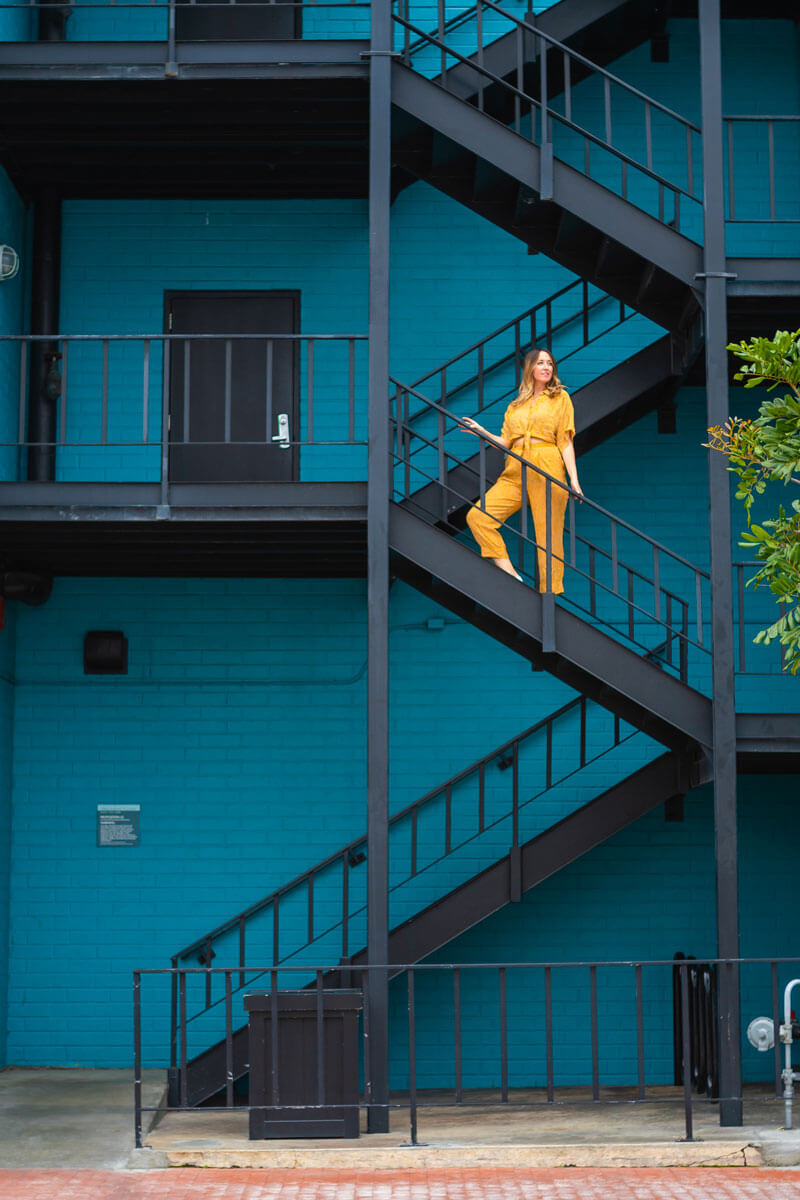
[282,436]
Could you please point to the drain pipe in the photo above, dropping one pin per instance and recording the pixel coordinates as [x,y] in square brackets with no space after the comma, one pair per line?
[788,1075]
[44,381]
[53,19]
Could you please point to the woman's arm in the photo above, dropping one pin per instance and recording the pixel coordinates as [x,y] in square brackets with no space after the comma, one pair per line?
[568,455]
[473,427]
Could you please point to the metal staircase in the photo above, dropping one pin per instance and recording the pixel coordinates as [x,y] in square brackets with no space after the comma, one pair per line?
[505,130]
[490,811]
[525,149]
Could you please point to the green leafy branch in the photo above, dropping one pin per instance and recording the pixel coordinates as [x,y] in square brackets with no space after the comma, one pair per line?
[767,450]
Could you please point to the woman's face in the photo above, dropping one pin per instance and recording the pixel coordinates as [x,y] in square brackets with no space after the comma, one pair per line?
[543,368]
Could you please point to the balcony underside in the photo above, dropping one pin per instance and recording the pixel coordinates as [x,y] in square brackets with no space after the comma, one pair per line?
[227,530]
[301,131]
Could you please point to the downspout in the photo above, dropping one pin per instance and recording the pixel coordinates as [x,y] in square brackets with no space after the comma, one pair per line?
[43,379]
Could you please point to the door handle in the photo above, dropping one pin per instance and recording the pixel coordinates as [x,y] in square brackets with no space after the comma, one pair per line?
[282,436]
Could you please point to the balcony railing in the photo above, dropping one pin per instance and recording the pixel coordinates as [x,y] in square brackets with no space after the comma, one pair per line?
[138,407]
[185,21]
[763,168]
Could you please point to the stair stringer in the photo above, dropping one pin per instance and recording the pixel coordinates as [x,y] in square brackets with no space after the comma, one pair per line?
[633,234]
[591,662]
[669,775]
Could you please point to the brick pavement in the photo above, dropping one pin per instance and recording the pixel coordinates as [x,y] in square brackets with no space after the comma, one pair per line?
[480,1184]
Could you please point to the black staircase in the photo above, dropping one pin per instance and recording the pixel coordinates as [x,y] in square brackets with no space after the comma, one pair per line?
[490,806]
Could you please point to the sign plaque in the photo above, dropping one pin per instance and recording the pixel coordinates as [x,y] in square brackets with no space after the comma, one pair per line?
[118,824]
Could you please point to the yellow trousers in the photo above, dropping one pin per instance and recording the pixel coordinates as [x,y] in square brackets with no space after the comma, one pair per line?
[505,498]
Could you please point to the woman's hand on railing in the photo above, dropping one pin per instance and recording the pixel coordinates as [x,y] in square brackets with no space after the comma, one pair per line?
[472,426]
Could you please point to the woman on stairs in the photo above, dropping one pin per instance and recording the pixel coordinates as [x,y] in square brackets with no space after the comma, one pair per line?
[539,426]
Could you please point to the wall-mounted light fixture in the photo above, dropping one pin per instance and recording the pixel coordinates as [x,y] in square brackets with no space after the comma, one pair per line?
[9,262]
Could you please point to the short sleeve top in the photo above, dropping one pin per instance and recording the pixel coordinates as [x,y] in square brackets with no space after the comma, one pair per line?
[547,419]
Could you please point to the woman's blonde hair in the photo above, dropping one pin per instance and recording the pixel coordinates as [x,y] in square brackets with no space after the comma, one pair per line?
[527,383]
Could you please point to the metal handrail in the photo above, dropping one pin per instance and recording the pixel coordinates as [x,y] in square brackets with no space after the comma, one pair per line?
[580,314]
[403,436]
[345,852]
[619,521]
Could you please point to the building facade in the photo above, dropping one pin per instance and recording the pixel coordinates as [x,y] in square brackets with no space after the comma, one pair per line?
[269,254]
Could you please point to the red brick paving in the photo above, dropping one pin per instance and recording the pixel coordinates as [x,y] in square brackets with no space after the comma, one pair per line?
[743,1183]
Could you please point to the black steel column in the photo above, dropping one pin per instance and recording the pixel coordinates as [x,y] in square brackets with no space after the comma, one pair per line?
[378,564]
[45,285]
[724,709]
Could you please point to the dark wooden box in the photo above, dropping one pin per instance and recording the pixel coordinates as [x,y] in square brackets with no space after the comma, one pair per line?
[298,1076]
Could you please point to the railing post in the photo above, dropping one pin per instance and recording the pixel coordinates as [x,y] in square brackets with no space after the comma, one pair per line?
[137,1058]
[548,599]
[378,492]
[687,1051]
[723,679]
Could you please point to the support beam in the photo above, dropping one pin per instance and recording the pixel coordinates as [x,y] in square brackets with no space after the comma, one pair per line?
[378,570]
[724,711]
[45,287]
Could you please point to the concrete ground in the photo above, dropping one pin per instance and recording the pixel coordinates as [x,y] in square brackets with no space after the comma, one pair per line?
[84,1120]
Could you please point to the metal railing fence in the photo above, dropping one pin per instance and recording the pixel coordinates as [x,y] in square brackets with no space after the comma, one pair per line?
[132,393]
[472,1034]
[86,21]
[534,116]
[626,599]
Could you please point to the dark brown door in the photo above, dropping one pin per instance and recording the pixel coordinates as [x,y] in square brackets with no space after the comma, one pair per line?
[228,397]
[244,21]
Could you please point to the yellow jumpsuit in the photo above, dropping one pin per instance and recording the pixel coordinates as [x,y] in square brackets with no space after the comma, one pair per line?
[537,431]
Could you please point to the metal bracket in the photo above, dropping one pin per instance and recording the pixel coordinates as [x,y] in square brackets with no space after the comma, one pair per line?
[171,70]
[546,171]
[548,623]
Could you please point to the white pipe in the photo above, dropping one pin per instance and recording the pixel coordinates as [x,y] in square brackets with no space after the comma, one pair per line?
[786,1038]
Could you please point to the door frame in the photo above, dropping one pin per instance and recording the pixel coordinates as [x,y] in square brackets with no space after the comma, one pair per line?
[292,294]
